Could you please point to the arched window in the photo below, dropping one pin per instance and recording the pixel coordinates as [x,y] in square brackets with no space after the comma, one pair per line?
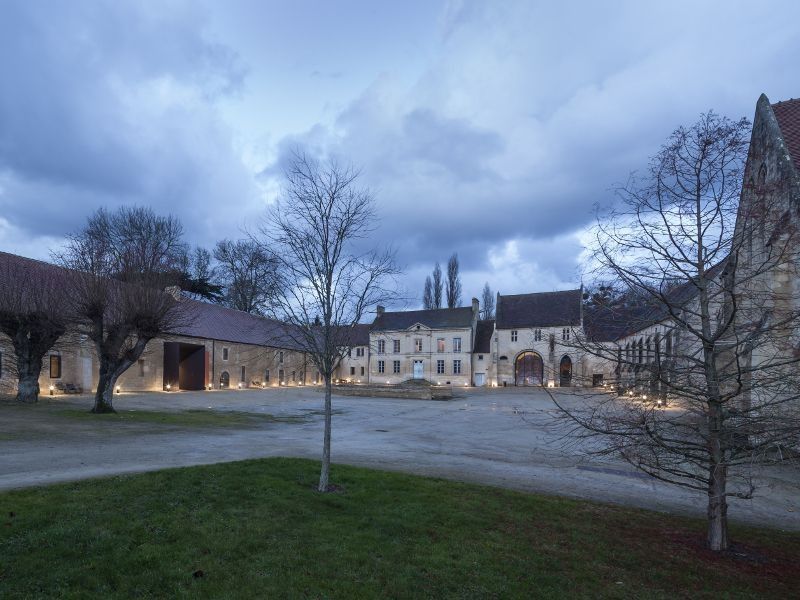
[565,371]
[224,380]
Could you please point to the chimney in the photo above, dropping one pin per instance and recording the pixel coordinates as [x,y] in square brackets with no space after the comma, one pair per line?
[475,305]
[380,310]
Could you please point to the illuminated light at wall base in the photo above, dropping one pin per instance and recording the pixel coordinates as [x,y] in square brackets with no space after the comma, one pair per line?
[240,385]
[52,387]
[117,389]
[551,383]
[169,387]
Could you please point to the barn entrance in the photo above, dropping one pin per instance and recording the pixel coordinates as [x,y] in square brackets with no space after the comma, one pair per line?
[184,366]
[528,369]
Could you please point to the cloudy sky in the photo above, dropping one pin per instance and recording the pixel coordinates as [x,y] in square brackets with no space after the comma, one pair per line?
[486,128]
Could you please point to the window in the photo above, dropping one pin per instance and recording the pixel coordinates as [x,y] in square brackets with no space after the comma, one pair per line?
[359,351]
[316,377]
[352,370]
[281,376]
[280,357]
[440,367]
[266,376]
[480,356]
[396,346]
[514,335]
[224,353]
[140,362]
[381,366]
[349,353]
[396,366]
[456,344]
[294,376]
[456,367]
[440,345]
[242,377]
[537,335]
[381,346]
[417,344]
[55,366]
[362,371]
[565,334]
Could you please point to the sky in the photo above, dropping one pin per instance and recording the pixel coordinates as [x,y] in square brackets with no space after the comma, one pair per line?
[490,129]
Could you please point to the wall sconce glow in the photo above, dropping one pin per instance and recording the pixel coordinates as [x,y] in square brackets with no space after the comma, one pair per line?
[209,386]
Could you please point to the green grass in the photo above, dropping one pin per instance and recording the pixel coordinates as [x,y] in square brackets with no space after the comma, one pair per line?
[258,529]
[183,418]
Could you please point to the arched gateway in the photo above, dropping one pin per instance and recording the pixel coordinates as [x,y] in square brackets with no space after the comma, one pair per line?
[565,371]
[528,369]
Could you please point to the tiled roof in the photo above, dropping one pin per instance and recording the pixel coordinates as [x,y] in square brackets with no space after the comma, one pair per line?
[215,322]
[543,309]
[356,335]
[788,115]
[483,336]
[439,318]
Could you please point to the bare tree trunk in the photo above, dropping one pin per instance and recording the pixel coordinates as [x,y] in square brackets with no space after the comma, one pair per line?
[28,383]
[104,396]
[717,481]
[324,474]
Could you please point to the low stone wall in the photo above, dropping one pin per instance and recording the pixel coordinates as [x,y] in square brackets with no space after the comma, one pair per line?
[432,392]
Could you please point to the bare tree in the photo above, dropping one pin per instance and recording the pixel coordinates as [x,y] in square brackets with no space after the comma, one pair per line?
[122,262]
[438,286]
[697,325]
[453,283]
[328,281]
[427,294]
[32,314]
[487,302]
[247,273]
[198,276]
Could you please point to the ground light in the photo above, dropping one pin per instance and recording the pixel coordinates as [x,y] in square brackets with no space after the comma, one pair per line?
[117,389]
[52,387]
[169,387]
[240,385]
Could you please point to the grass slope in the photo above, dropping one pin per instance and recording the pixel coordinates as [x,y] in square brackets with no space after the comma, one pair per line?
[258,529]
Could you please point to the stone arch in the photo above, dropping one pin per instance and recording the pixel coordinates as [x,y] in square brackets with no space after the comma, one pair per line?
[224,380]
[565,371]
[528,369]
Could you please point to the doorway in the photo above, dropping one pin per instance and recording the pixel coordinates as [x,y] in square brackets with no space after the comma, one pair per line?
[418,370]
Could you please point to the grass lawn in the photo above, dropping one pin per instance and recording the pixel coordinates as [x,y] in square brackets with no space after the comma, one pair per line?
[183,418]
[258,529]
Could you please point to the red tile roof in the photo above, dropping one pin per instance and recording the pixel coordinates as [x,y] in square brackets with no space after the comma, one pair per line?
[788,115]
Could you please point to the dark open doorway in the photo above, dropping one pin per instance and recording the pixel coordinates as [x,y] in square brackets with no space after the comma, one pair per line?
[184,366]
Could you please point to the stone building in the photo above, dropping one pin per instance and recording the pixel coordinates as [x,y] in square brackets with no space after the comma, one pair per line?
[435,345]
[534,339]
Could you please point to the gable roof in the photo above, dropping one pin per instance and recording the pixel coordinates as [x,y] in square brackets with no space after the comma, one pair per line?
[483,336]
[543,309]
[437,318]
[787,113]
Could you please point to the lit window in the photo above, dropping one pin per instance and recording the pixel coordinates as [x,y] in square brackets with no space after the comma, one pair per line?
[381,346]
[396,366]
[457,344]
[440,345]
[456,367]
[417,344]
[440,367]
[396,346]
[381,366]
[514,335]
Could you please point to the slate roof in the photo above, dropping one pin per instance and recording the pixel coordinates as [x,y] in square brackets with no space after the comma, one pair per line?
[543,309]
[607,324]
[787,114]
[356,335]
[439,318]
[483,336]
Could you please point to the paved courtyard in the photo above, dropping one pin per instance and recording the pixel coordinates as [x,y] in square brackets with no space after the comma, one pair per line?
[498,437]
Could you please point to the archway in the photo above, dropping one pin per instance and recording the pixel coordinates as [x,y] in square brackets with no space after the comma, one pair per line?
[224,380]
[528,369]
[565,371]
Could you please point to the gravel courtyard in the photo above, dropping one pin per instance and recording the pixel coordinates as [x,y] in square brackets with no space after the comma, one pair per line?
[501,437]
